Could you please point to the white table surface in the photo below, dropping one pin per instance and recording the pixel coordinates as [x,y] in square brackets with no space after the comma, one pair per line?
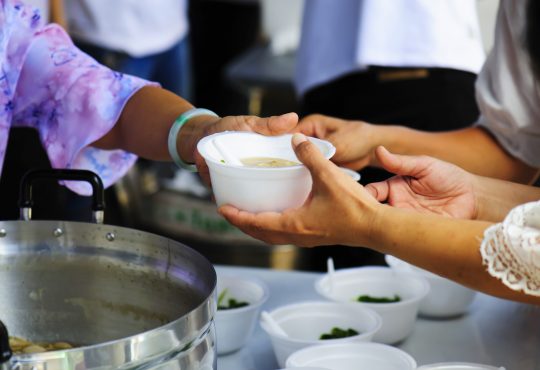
[494,331]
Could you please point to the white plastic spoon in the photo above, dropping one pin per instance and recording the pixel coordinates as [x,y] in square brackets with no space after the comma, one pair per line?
[227,156]
[330,270]
[276,328]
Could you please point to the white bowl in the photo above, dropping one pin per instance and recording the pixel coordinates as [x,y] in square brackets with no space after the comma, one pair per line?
[445,298]
[235,326]
[353,356]
[458,366]
[305,322]
[258,189]
[398,317]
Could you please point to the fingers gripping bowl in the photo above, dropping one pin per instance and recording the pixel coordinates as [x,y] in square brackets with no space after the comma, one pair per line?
[258,189]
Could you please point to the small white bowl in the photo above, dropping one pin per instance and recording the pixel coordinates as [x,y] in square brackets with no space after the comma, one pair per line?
[398,317]
[353,356]
[458,366]
[305,322]
[258,189]
[445,298]
[235,326]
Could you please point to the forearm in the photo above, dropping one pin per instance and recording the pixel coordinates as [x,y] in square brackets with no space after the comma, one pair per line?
[144,125]
[472,148]
[448,247]
[495,198]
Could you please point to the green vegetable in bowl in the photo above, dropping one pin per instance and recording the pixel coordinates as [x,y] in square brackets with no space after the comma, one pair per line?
[231,302]
[370,299]
[337,333]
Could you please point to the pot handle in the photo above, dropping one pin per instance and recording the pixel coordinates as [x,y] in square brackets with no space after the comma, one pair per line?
[98,193]
[5,350]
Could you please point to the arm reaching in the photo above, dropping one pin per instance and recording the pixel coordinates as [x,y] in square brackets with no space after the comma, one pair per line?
[145,121]
[472,149]
[449,247]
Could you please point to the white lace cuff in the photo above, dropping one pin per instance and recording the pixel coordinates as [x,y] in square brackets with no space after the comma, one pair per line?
[511,249]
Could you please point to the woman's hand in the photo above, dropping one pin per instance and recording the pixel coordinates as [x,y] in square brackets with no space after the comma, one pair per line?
[426,185]
[354,140]
[338,210]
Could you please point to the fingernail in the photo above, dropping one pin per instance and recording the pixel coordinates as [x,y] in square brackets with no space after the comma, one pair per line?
[290,115]
[298,139]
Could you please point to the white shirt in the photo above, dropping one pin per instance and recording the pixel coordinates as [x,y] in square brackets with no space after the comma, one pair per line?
[136,27]
[343,36]
[508,95]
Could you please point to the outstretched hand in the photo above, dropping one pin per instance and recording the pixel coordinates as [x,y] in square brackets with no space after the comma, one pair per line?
[426,185]
[338,210]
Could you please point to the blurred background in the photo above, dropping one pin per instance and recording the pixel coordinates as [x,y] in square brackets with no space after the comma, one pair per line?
[233,57]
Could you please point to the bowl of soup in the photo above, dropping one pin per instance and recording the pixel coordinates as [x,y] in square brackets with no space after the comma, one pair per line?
[268,177]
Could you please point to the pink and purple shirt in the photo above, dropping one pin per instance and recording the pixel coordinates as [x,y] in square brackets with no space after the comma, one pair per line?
[50,85]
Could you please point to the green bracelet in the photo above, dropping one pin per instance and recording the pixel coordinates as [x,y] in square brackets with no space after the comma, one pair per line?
[175,130]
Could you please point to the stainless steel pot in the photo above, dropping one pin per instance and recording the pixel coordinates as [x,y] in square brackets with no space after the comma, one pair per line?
[129,299]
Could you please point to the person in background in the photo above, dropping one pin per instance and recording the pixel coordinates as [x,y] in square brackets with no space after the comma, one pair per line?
[389,62]
[407,62]
[91,117]
[147,39]
[434,214]
[503,143]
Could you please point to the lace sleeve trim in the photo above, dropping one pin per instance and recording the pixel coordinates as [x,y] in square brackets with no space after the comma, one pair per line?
[511,249]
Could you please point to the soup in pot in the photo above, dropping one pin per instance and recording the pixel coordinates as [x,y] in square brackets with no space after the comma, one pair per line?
[21,346]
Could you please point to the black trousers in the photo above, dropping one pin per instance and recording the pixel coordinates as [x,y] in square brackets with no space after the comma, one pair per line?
[424,99]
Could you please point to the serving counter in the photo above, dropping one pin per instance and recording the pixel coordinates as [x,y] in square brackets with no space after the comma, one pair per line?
[494,331]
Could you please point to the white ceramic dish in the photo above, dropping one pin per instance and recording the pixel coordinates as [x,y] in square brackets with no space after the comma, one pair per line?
[258,189]
[445,298]
[349,356]
[458,366]
[305,322]
[398,317]
[235,326]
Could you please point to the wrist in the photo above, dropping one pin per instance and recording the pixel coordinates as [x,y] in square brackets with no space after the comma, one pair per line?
[380,135]
[192,132]
[397,139]
[380,218]
[366,224]
[184,134]
[479,197]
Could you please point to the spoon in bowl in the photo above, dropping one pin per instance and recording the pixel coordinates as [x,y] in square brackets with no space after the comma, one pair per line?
[331,271]
[225,154]
[276,328]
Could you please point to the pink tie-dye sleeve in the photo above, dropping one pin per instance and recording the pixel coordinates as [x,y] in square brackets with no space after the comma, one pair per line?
[73,101]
